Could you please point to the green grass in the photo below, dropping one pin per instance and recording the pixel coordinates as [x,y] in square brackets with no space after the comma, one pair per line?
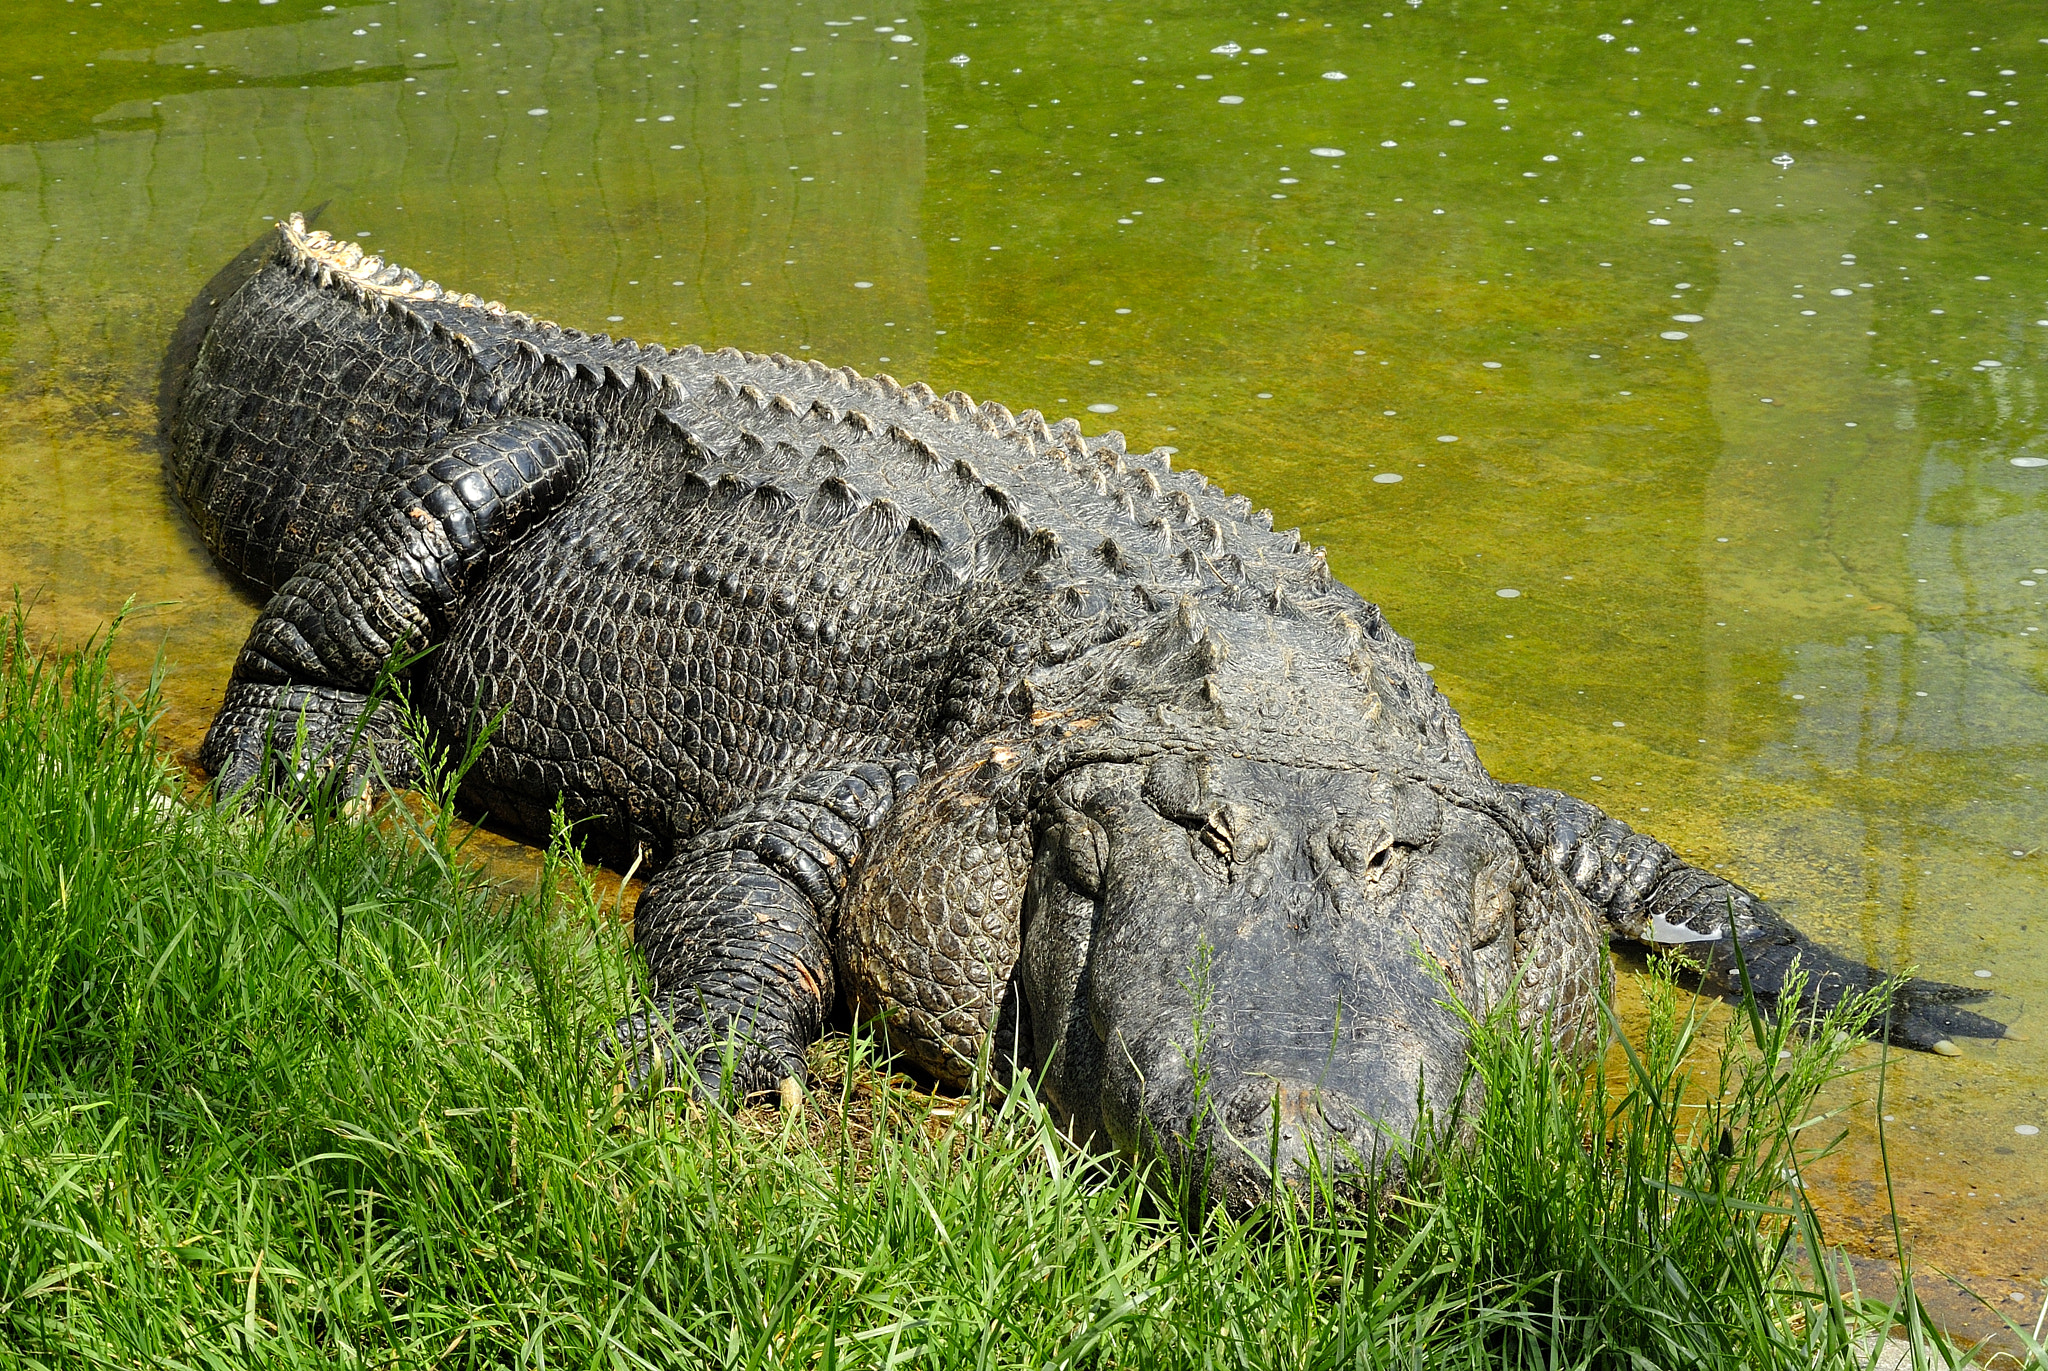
[287,1088]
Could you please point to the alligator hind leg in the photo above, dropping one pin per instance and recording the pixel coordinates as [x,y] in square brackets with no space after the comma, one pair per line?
[389,587]
[1648,894]
[736,935]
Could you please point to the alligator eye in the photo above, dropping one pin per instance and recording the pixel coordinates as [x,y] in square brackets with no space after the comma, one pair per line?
[1080,854]
[1362,847]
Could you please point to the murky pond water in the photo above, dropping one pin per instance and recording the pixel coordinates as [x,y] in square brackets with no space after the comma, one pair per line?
[1672,381]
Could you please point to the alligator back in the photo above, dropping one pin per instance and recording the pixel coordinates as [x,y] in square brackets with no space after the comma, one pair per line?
[770,561]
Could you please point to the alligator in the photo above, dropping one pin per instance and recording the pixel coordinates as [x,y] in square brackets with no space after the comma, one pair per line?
[1033,750]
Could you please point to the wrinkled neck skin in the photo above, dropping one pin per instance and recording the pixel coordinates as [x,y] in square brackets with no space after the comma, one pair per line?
[1259,908]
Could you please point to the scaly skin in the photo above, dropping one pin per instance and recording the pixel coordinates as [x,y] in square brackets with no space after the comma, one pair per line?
[1033,747]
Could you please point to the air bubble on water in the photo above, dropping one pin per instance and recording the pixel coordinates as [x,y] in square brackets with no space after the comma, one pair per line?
[1154,180]
[1102,409]
[1550,157]
[1457,123]
[1990,362]
[1491,366]
[1388,143]
[1981,974]
[1680,185]
[2025,1130]
[1230,99]
[541,110]
[1475,80]
[863,285]
[1689,318]
[1508,593]
[615,318]
[1674,335]
[1447,437]
[1388,478]
[1228,49]
[1335,76]
[1660,221]
[1326,152]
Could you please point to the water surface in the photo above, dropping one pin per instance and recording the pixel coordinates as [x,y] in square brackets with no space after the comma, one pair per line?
[1671,380]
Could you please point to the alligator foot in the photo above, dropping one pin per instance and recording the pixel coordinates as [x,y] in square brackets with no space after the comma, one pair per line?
[1919,1013]
[300,741]
[675,1045]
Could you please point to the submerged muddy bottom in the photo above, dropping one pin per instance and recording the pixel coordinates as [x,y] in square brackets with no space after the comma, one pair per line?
[1672,383]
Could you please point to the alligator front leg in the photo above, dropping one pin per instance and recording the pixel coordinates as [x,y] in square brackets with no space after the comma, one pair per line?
[736,935]
[1649,895]
[390,586]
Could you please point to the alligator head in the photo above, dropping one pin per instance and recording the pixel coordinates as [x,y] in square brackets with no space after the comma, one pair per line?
[1244,964]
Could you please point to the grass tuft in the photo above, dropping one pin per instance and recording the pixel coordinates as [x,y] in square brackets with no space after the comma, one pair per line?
[282,1088]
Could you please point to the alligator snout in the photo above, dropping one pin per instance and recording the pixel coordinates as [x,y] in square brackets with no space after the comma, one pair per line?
[1268,1132]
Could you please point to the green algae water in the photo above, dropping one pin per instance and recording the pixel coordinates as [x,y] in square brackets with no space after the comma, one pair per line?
[1668,373]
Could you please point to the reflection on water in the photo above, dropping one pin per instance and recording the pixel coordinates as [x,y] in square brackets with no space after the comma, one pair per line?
[1713,339]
